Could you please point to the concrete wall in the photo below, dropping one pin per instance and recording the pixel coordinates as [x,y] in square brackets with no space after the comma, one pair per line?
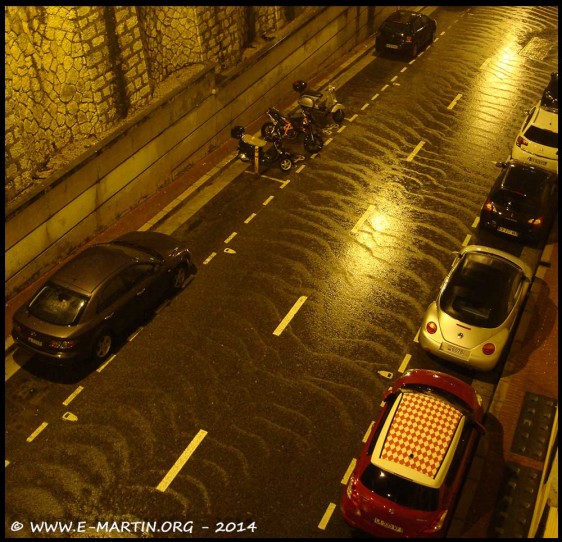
[151,150]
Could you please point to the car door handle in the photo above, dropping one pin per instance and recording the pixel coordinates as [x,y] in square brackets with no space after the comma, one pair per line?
[140,292]
[109,316]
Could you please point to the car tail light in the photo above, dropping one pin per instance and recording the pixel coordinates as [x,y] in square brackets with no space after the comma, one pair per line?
[409,39]
[351,489]
[489,206]
[58,344]
[437,523]
[488,349]
[536,221]
[431,327]
[521,141]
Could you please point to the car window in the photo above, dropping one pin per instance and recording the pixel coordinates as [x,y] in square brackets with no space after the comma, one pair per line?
[111,292]
[395,27]
[460,452]
[400,490]
[478,292]
[58,305]
[136,273]
[542,137]
[417,24]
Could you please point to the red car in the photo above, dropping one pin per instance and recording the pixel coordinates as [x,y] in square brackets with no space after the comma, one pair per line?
[409,474]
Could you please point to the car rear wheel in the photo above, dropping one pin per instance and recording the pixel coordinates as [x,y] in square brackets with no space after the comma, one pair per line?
[102,345]
[180,274]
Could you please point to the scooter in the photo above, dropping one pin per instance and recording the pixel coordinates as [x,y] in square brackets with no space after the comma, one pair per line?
[289,128]
[248,144]
[319,105]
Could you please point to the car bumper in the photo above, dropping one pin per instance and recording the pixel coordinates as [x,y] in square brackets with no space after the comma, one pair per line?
[512,231]
[476,360]
[56,358]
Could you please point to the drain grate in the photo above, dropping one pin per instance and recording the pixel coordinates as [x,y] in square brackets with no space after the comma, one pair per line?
[533,427]
[515,504]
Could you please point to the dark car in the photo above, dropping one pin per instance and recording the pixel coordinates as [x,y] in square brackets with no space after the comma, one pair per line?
[94,297]
[550,95]
[405,31]
[522,203]
[409,474]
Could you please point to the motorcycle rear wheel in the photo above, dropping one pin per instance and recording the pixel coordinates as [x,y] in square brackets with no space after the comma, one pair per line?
[313,144]
[268,131]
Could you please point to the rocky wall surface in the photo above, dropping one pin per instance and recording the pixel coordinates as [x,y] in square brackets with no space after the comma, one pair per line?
[74,73]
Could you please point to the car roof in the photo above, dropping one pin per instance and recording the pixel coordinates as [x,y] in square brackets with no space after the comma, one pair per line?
[87,270]
[546,119]
[402,16]
[419,438]
[525,268]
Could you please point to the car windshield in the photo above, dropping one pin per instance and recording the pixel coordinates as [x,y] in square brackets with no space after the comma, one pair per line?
[400,490]
[395,27]
[542,137]
[480,290]
[57,305]
[529,203]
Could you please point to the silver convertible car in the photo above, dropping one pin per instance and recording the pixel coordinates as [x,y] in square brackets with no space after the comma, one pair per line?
[471,320]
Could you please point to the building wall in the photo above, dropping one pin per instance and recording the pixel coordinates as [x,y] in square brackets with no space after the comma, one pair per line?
[73,73]
[154,144]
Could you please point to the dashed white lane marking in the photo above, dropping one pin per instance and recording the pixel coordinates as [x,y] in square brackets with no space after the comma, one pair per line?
[327,515]
[394,79]
[209,258]
[403,69]
[384,88]
[36,432]
[182,460]
[72,396]
[102,367]
[375,96]
[348,472]
[476,222]
[364,107]
[299,169]
[485,63]
[368,432]
[342,128]
[466,240]
[285,322]
[454,102]
[415,151]
[417,337]
[230,237]
[251,217]
[267,200]
[353,117]
[404,363]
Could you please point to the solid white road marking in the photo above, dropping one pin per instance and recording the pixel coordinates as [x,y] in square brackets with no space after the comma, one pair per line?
[279,329]
[182,460]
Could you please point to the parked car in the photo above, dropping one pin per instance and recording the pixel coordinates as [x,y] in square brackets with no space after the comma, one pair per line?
[550,95]
[84,305]
[476,308]
[522,203]
[409,474]
[537,140]
[405,31]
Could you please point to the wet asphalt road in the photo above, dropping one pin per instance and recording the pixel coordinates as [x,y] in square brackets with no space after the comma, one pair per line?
[284,414]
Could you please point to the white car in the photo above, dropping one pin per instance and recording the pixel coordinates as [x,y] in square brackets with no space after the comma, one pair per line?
[471,320]
[537,141]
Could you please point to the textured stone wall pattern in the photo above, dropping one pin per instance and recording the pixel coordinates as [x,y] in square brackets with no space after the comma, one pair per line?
[74,72]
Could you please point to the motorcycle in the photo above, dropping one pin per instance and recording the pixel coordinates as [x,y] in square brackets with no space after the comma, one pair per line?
[247,145]
[286,127]
[319,105]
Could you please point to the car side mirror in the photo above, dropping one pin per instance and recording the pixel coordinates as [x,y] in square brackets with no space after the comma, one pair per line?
[501,164]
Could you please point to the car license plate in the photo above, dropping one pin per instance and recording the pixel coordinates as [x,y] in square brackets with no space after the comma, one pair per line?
[34,341]
[389,525]
[390,46]
[537,161]
[457,351]
[509,232]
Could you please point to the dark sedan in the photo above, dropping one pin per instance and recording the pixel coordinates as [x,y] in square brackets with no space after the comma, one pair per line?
[405,31]
[522,203]
[84,305]
[550,95]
